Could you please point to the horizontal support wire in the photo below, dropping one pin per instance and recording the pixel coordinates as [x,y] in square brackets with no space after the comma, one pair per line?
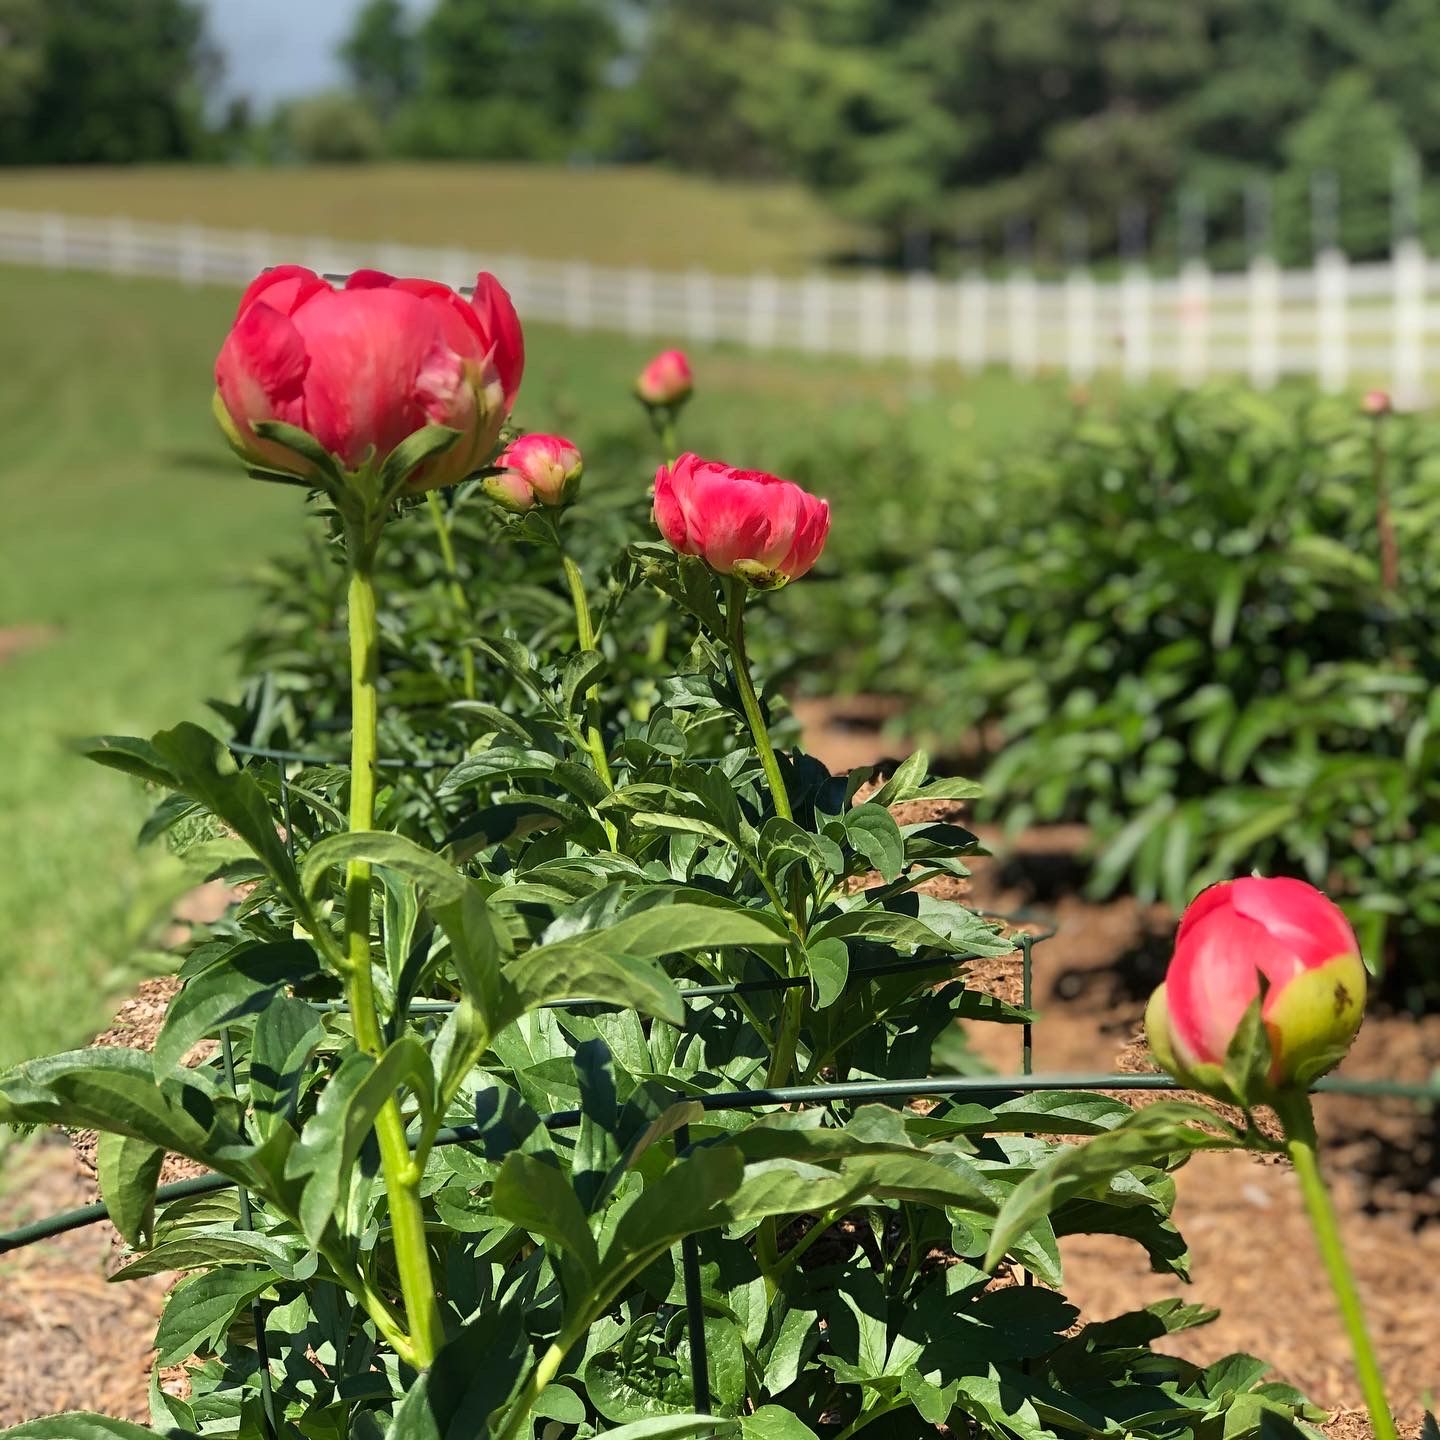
[996,1086]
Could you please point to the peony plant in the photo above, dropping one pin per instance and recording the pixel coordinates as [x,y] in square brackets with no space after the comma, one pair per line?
[499,1037]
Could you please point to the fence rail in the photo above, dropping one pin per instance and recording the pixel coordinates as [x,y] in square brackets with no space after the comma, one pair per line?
[1339,322]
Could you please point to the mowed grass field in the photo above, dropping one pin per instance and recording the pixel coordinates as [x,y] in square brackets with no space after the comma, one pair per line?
[129,532]
[612,216]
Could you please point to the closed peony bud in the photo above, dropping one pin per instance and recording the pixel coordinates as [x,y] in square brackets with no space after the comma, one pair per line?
[363,368]
[536,470]
[666,380]
[763,529]
[1376,403]
[1233,937]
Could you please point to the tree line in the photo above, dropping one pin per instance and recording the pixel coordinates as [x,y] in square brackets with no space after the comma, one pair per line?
[1057,128]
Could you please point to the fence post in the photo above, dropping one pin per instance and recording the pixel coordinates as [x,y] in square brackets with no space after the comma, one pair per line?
[700,305]
[1331,286]
[760,311]
[190,255]
[1194,312]
[1262,331]
[974,300]
[815,313]
[874,293]
[1407,323]
[120,245]
[639,302]
[53,241]
[259,250]
[579,296]
[1136,304]
[921,340]
[1079,324]
[1021,297]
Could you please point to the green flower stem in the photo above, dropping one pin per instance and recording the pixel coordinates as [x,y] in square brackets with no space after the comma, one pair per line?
[735,594]
[458,598]
[585,637]
[517,1422]
[666,430]
[402,1176]
[1298,1119]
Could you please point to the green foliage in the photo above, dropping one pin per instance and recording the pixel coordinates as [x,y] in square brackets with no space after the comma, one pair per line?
[101,81]
[1173,625]
[607,957]
[334,128]
[930,119]
[497,79]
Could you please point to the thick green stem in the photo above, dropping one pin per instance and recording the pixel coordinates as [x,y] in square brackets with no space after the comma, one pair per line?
[585,637]
[735,593]
[458,598]
[1299,1121]
[402,1177]
[666,429]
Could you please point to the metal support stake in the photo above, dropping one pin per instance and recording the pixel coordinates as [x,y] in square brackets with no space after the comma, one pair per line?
[258,1309]
[694,1300]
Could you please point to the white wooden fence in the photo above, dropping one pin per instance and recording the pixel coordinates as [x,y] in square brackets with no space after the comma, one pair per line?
[1373,323]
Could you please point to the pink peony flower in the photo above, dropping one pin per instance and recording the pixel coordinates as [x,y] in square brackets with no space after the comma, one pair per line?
[363,368]
[1231,936]
[666,380]
[536,470]
[766,530]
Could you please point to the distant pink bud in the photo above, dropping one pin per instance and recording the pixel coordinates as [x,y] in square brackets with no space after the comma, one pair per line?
[766,530]
[546,468]
[1376,402]
[1231,936]
[666,380]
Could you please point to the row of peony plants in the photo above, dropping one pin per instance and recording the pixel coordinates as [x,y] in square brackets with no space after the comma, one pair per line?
[484,1029]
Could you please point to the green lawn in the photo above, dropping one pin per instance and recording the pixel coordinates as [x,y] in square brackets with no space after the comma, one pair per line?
[613,216]
[129,530]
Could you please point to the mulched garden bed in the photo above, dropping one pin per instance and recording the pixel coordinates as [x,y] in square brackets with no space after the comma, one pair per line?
[68,1339]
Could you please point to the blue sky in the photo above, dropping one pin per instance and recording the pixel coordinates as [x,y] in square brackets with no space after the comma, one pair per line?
[278,48]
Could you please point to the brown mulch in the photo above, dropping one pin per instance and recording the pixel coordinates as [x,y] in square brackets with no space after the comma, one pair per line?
[69,1339]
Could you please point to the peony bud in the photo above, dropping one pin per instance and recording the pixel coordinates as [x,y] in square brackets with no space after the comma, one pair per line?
[1232,937]
[763,529]
[1376,403]
[536,470]
[363,368]
[666,380]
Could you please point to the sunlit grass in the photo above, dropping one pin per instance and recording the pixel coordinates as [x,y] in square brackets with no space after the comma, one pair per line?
[610,216]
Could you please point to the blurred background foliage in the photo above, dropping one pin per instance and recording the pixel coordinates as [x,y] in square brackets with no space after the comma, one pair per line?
[1062,126]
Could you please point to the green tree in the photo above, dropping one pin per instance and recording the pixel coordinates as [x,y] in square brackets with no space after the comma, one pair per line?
[118,81]
[382,55]
[507,78]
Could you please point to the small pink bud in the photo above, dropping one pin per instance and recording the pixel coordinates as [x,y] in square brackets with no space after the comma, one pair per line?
[1231,936]
[666,380]
[1376,403]
[766,530]
[537,470]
